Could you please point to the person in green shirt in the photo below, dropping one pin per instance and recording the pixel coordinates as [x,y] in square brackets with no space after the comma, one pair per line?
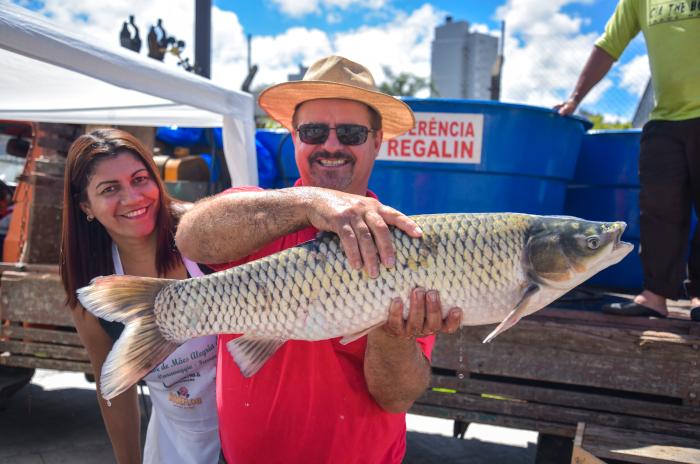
[669,159]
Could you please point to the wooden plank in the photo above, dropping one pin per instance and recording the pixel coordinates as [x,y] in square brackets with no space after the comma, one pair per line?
[554,364]
[680,318]
[44,350]
[501,420]
[643,448]
[69,131]
[57,336]
[52,142]
[576,337]
[33,297]
[580,356]
[555,395]
[39,363]
[581,456]
[28,267]
[578,454]
[558,414]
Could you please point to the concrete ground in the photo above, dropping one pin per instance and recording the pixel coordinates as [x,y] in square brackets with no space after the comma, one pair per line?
[56,420]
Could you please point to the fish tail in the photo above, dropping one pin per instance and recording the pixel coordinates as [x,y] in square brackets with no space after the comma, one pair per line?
[141,346]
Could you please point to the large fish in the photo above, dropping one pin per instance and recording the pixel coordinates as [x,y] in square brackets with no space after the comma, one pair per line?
[496,267]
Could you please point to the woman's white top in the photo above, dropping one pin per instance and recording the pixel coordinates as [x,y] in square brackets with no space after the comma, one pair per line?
[184,426]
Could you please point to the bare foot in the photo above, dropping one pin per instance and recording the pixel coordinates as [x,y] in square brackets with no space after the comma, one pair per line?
[653,301]
[695,302]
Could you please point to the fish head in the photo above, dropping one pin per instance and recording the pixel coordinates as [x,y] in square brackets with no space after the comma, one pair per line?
[563,252]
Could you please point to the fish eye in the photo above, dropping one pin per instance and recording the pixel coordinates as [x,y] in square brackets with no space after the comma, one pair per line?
[593,242]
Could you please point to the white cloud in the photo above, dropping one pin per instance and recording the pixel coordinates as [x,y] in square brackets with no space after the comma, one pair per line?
[612,118]
[405,40]
[483,29]
[102,25]
[280,55]
[405,47]
[298,9]
[545,51]
[402,44]
[634,75]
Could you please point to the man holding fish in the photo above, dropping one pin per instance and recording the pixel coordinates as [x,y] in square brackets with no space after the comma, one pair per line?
[323,401]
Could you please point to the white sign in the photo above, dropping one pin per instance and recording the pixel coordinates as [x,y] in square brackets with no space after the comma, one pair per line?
[439,138]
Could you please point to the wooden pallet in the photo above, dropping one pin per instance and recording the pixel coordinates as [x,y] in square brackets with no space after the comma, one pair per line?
[561,367]
[37,329]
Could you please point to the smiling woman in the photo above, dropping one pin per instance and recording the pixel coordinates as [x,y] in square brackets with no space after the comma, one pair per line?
[118,219]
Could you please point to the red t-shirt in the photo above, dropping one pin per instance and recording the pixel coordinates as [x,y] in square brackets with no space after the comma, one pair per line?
[309,403]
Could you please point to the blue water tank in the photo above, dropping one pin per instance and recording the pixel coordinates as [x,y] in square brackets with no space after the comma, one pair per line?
[606,188]
[527,157]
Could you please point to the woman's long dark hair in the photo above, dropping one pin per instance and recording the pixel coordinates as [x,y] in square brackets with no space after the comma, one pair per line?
[85,245]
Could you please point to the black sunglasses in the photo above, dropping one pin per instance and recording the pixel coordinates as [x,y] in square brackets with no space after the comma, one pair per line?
[348,134]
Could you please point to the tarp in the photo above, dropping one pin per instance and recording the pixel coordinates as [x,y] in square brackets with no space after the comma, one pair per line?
[53,75]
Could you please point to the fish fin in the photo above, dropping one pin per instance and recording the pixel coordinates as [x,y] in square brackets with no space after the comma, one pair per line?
[515,314]
[353,337]
[251,353]
[141,346]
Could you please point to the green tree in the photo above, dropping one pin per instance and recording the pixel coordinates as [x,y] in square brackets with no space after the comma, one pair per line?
[599,122]
[404,84]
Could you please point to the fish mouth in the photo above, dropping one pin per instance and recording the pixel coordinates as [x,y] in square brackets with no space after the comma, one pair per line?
[620,249]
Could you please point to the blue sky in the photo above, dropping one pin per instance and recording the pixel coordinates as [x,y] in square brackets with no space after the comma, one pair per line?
[547,41]
[263,18]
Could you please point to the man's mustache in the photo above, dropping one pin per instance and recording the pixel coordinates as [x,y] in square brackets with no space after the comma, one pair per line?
[338,155]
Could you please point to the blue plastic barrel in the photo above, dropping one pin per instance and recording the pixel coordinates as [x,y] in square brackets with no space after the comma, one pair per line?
[606,188]
[528,156]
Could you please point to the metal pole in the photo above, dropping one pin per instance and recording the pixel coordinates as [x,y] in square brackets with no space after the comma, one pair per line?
[497,70]
[250,58]
[202,38]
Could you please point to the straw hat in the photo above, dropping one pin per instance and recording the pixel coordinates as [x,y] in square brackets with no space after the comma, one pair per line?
[337,77]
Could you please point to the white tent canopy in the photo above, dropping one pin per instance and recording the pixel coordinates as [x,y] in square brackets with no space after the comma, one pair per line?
[53,75]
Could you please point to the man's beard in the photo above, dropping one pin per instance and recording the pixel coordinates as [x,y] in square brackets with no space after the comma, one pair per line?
[327,177]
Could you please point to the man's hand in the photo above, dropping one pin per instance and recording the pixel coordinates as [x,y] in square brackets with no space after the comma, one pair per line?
[424,316]
[362,223]
[396,370]
[567,108]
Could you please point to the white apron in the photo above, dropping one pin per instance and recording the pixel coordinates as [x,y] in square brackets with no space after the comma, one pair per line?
[184,425]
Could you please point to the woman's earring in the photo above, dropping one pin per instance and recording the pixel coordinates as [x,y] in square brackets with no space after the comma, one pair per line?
[90,218]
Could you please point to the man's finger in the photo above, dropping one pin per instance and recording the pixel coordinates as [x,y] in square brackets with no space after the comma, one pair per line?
[400,220]
[349,243]
[433,313]
[394,324]
[368,250]
[382,238]
[453,321]
[416,313]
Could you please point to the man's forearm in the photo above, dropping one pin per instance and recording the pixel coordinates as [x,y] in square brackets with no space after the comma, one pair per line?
[598,64]
[396,371]
[231,226]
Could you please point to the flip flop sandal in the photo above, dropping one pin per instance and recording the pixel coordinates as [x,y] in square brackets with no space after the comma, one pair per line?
[632,309]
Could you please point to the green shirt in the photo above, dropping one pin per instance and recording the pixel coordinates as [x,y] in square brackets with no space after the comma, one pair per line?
[672,33]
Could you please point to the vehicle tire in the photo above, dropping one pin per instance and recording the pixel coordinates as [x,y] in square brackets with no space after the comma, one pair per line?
[12,379]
